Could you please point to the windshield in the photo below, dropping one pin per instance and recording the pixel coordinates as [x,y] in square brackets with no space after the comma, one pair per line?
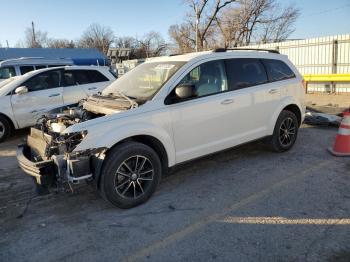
[7,72]
[145,80]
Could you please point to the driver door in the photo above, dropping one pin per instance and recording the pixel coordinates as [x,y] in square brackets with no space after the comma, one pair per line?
[44,94]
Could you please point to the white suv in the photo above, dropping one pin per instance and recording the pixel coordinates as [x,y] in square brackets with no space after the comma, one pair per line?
[164,112]
[24,99]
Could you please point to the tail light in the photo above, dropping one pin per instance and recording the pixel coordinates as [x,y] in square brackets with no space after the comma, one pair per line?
[304,85]
[303,82]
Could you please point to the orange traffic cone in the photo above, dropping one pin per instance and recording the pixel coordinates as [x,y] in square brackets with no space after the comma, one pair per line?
[342,140]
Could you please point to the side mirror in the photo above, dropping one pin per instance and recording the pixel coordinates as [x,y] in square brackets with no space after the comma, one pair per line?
[184,91]
[21,90]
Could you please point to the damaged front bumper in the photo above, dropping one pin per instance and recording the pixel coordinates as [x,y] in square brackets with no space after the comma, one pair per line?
[42,171]
[57,169]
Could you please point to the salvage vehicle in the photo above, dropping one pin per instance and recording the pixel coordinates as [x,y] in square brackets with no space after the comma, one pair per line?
[162,113]
[20,66]
[24,99]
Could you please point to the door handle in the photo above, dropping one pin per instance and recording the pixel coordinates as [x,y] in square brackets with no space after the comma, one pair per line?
[273,91]
[53,95]
[92,88]
[227,101]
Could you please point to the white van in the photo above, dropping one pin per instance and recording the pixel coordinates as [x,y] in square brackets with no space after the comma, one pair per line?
[20,66]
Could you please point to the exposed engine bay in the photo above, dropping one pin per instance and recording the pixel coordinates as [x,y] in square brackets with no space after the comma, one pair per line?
[51,151]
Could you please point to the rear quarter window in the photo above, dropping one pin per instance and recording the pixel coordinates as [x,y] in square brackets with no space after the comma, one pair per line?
[96,76]
[278,70]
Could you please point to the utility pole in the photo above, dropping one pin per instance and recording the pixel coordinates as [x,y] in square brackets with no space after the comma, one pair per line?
[7,43]
[33,37]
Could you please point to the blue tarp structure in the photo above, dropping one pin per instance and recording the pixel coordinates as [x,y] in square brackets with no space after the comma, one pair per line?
[80,56]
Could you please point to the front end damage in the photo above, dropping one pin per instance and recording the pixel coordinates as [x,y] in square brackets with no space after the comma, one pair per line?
[48,154]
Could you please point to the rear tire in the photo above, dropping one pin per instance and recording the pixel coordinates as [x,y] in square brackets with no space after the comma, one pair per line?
[285,132]
[5,128]
[130,174]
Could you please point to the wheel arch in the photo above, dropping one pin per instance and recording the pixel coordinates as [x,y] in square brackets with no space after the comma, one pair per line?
[290,104]
[153,143]
[12,124]
[148,140]
[295,110]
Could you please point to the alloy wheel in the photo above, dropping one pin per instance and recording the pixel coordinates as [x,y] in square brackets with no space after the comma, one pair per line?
[2,130]
[287,131]
[133,177]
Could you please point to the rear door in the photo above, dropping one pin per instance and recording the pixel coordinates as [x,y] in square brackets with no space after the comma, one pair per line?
[79,84]
[44,94]
[249,74]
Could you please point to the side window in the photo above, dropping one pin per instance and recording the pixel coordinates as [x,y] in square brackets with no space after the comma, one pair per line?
[69,78]
[278,70]
[39,67]
[208,78]
[81,77]
[55,65]
[26,69]
[7,72]
[245,72]
[96,76]
[46,80]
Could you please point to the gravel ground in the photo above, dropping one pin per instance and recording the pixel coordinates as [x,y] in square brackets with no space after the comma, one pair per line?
[244,204]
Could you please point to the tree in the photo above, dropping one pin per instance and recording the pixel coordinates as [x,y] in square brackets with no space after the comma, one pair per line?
[60,43]
[125,42]
[263,20]
[184,38]
[35,38]
[97,36]
[151,44]
[281,27]
[198,27]
[235,25]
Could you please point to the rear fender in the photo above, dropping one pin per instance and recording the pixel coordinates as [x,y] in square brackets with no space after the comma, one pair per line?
[289,100]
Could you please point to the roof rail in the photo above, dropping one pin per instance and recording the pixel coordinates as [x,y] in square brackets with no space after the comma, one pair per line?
[218,50]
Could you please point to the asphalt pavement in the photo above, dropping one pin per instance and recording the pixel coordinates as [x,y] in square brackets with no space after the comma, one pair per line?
[243,204]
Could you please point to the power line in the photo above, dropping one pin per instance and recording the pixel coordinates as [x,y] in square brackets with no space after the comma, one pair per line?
[327,10]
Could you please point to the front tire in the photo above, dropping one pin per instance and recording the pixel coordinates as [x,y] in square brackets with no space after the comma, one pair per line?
[285,132]
[130,174]
[5,128]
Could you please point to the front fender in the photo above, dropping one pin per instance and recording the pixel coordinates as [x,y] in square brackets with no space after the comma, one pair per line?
[102,136]
[6,110]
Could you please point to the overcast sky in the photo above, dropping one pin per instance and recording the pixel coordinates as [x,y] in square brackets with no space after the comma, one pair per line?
[69,18]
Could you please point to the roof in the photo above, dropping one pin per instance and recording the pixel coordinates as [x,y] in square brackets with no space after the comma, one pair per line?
[51,53]
[36,60]
[70,67]
[207,54]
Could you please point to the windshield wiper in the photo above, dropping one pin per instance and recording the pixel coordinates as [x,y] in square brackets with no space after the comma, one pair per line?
[120,93]
[130,99]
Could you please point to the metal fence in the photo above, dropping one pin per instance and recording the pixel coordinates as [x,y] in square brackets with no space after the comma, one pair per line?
[318,56]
